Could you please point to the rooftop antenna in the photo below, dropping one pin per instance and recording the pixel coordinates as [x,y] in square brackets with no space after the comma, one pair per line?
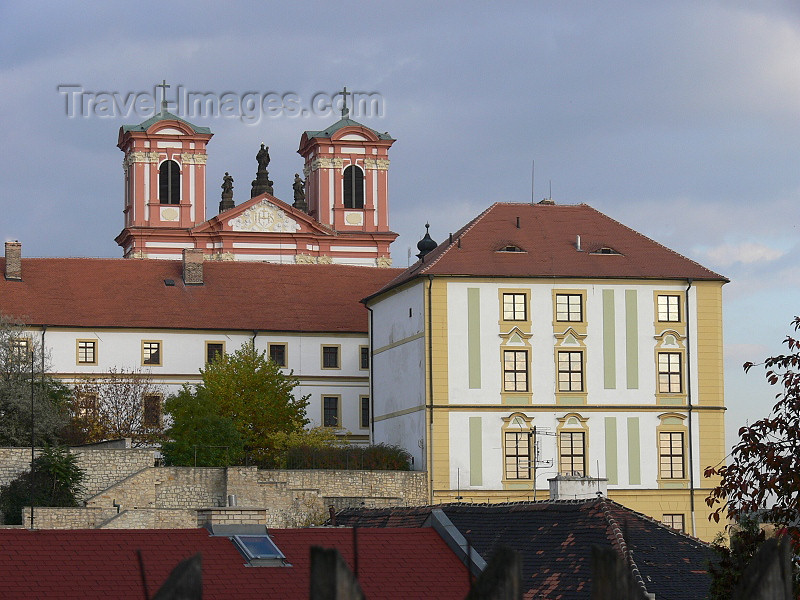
[550,195]
[533,172]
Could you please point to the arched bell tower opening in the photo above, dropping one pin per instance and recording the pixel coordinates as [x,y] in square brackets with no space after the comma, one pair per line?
[169,183]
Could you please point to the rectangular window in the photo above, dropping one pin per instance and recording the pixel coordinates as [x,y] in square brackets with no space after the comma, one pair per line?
[518,455]
[675,521]
[86,406]
[572,452]
[330,357]
[669,308]
[151,353]
[515,370]
[364,412]
[330,411]
[277,354]
[669,373]
[570,371]
[87,352]
[569,307]
[214,350]
[364,357]
[670,451]
[151,411]
[514,307]
[20,347]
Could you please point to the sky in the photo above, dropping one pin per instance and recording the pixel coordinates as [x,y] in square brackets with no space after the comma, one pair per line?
[680,119]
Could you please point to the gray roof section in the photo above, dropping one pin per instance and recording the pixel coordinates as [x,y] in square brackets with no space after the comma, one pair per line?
[164,116]
[341,123]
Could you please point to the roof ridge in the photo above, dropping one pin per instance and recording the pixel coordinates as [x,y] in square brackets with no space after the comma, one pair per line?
[619,543]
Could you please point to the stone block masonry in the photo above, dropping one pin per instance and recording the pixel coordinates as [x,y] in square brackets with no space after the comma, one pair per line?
[104,467]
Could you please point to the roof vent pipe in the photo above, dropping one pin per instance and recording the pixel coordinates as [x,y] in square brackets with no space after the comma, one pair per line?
[578,243]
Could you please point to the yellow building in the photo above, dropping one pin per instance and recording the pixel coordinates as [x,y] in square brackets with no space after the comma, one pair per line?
[544,340]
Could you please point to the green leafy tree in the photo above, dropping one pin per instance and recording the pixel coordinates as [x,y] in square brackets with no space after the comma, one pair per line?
[21,371]
[252,393]
[199,435]
[56,479]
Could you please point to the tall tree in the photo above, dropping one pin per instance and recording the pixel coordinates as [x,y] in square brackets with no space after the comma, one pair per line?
[253,393]
[23,365]
[119,404]
[763,475]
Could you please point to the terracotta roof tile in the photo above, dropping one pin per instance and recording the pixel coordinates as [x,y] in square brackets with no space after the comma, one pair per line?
[92,292]
[548,237]
[94,564]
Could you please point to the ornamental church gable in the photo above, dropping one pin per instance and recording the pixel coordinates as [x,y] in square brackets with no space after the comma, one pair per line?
[264,214]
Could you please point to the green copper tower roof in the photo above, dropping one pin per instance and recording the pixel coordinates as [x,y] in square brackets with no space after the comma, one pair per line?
[342,123]
[164,115]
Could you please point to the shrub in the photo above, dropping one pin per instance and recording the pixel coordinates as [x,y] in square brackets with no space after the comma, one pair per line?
[57,481]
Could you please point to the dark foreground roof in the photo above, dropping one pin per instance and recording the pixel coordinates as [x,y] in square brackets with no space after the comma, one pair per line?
[97,292]
[569,241]
[555,540]
[100,564]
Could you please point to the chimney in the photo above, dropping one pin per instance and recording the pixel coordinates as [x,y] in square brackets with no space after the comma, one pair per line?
[14,261]
[193,266]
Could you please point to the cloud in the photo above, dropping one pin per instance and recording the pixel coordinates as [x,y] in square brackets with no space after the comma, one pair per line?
[747,253]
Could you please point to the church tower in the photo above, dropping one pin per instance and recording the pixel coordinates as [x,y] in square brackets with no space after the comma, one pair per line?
[347,169]
[165,178]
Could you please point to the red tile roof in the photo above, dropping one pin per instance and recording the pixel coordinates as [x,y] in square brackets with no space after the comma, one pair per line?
[548,237]
[94,292]
[89,564]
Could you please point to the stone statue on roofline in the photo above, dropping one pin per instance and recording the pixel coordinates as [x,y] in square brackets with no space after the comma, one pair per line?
[263,158]
[299,187]
[227,193]
[262,183]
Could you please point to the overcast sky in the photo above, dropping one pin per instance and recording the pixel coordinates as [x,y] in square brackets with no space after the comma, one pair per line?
[679,119]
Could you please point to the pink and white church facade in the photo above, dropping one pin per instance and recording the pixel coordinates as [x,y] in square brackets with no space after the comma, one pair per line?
[341,217]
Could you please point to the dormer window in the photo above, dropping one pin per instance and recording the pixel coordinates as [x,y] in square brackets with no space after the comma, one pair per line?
[605,250]
[510,248]
[353,187]
[169,183]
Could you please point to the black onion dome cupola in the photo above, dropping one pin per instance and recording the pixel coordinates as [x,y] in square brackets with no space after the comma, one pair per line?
[426,244]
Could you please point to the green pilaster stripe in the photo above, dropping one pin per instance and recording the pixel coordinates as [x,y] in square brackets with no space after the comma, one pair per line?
[609,349]
[611,450]
[474,336]
[475,451]
[631,340]
[634,452]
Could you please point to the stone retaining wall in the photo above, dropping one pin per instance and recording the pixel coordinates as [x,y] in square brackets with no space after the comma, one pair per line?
[103,466]
[166,497]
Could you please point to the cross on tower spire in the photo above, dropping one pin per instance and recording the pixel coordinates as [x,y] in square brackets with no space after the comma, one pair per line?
[344,94]
[163,85]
